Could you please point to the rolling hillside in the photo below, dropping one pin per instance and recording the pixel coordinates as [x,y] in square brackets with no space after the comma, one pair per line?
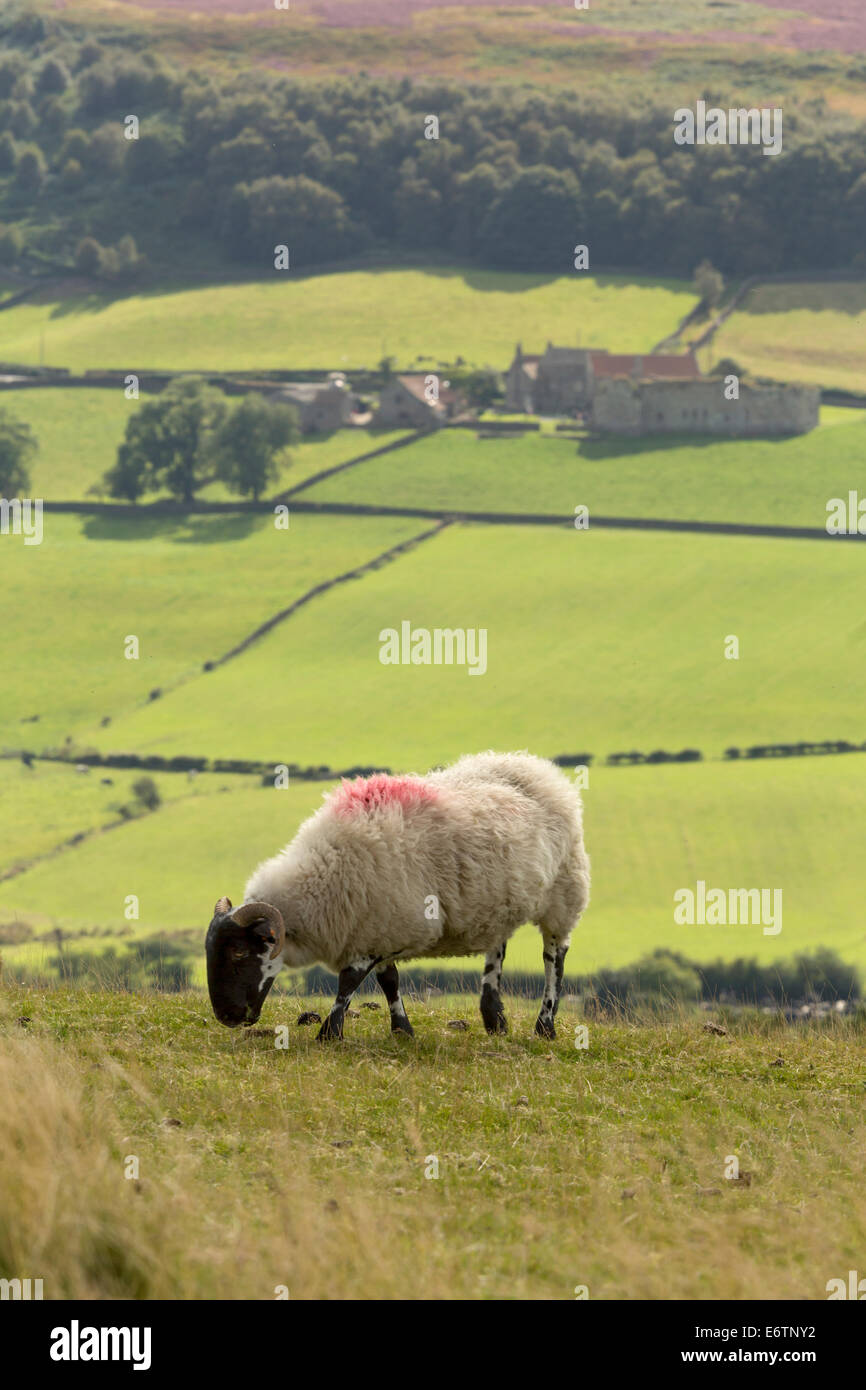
[189,588]
[640,621]
[693,659]
[349,319]
[597,642]
[650,831]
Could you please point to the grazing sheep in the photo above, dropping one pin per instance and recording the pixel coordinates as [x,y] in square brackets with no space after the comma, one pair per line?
[393,868]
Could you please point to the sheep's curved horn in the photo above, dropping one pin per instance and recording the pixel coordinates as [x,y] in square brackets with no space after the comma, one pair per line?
[255,912]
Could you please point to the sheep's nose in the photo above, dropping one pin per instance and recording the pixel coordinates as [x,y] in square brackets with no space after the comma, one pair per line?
[230,1020]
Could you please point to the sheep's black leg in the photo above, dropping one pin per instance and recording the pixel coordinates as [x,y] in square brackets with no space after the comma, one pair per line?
[389,983]
[492,1012]
[554,959]
[347,982]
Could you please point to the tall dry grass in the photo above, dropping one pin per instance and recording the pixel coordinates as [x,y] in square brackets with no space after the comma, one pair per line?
[306,1167]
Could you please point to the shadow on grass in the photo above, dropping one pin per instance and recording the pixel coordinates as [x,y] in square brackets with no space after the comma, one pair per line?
[81,297]
[193,529]
[511,280]
[618,445]
[819,296]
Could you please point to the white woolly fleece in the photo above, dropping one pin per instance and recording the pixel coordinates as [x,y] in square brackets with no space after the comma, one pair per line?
[489,843]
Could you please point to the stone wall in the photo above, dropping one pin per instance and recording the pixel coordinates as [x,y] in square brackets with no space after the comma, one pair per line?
[623,406]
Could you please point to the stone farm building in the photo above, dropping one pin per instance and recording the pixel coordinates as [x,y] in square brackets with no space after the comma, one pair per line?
[562,380]
[403,400]
[625,406]
[322,406]
[655,393]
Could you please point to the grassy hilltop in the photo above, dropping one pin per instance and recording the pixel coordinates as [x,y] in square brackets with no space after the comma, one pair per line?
[311,1168]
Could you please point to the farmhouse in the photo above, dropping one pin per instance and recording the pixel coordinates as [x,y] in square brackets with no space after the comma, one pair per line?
[322,406]
[419,401]
[622,405]
[562,380]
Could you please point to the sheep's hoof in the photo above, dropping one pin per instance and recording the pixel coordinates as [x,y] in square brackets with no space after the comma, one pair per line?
[545,1029]
[495,1023]
[330,1031]
[404,1027]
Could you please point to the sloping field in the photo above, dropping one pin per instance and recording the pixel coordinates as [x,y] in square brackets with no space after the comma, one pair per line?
[46,804]
[800,332]
[596,641]
[793,826]
[187,588]
[350,319]
[783,482]
[78,432]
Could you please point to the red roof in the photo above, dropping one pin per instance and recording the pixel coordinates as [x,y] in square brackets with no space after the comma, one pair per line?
[665,365]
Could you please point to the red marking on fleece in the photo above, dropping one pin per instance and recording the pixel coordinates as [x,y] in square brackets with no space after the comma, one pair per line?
[373,793]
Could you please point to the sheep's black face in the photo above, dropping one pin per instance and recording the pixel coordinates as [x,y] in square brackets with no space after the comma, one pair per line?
[240,970]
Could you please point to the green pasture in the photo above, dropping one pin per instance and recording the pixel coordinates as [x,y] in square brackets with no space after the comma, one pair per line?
[78,431]
[780,482]
[189,588]
[812,332]
[47,803]
[793,825]
[597,641]
[350,319]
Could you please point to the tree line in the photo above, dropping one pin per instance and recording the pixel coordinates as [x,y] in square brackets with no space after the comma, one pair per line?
[189,436]
[237,164]
[176,443]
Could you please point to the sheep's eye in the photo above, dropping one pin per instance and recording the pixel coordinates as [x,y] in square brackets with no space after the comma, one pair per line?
[239,952]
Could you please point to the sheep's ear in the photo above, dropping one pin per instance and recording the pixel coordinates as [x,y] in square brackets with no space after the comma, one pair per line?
[223,906]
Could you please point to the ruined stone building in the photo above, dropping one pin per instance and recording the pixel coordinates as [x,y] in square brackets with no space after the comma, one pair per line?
[624,406]
[562,381]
